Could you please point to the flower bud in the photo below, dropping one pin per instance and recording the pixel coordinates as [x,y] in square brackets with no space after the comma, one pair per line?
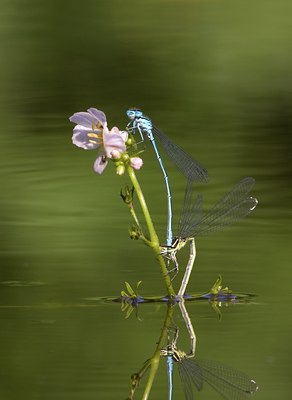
[120,169]
[136,162]
[130,141]
[115,154]
[125,157]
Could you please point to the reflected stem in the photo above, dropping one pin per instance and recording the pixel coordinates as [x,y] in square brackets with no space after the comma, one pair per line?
[154,241]
[155,359]
[190,328]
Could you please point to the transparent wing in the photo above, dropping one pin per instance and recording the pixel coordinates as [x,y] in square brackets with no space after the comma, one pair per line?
[190,373]
[226,217]
[233,206]
[230,383]
[184,162]
[191,212]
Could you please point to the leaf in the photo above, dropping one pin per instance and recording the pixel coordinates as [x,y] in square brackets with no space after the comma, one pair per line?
[130,290]
[129,312]
[124,306]
[217,285]
[138,284]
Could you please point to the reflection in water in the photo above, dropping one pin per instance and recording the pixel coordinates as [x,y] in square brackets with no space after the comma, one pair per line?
[22,283]
[227,381]
[216,296]
[230,383]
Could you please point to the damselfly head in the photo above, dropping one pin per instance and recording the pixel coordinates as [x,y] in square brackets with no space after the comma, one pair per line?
[133,113]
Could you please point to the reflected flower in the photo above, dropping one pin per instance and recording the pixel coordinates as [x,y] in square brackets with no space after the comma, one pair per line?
[91,132]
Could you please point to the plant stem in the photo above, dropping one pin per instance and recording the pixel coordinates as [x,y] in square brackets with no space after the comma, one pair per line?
[154,241]
[153,236]
[155,359]
[135,218]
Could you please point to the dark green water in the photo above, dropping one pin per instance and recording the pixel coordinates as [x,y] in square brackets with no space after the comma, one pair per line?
[214,76]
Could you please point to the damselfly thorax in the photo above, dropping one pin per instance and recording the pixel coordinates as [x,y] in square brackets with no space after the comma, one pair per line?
[140,122]
[172,351]
[169,252]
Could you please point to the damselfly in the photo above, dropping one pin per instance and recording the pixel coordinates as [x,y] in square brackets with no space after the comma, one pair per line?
[230,383]
[233,206]
[184,162]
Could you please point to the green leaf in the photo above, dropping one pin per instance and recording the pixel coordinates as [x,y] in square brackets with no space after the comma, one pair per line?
[129,312]
[130,290]
[138,284]
[217,286]
[124,306]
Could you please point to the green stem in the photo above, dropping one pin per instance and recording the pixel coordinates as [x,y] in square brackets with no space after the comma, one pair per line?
[134,215]
[154,241]
[135,218]
[155,359]
[153,236]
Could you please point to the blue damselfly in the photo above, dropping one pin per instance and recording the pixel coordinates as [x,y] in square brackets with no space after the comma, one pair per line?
[184,162]
[233,206]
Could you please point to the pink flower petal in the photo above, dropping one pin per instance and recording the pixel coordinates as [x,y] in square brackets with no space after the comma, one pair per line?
[136,162]
[81,139]
[99,115]
[124,135]
[100,164]
[113,141]
[84,119]
[115,154]
[89,118]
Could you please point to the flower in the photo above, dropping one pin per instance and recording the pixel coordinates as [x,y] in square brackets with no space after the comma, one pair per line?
[136,162]
[89,126]
[91,132]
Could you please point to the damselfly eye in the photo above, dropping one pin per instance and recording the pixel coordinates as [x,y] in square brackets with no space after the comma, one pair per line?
[131,114]
[138,113]
[134,113]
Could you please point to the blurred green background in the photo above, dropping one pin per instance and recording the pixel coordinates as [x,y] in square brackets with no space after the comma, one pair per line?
[213,75]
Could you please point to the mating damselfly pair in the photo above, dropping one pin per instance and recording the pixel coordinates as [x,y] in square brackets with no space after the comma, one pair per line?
[233,206]
[230,383]
[189,167]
